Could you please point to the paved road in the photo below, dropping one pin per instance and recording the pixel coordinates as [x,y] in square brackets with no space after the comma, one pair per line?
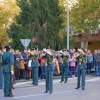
[62,91]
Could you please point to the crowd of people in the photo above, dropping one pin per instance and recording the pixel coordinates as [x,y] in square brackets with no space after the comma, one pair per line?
[23,70]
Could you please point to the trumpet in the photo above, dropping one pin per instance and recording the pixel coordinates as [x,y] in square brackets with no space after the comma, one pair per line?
[81,51]
[53,51]
[49,53]
[31,53]
[76,56]
[61,52]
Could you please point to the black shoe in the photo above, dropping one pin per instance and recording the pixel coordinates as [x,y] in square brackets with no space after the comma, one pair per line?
[65,82]
[61,81]
[46,91]
[9,95]
[77,87]
[83,88]
[50,92]
[13,88]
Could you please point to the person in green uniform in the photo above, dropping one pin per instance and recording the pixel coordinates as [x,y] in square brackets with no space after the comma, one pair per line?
[34,65]
[65,64]
[7,60]
[81,69]
[49,70]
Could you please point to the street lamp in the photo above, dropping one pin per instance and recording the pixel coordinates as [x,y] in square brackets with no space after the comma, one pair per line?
[67,24]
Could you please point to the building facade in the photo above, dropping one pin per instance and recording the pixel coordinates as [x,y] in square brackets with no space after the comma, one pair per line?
[93,41]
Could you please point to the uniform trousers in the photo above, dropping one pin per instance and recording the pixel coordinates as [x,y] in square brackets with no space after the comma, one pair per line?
[7,81]
[35,75]
[1,77]
[49,78]
[64,73]
[81,72]
[65,67]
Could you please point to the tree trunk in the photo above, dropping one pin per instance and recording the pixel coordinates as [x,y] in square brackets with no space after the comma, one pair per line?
[86,44]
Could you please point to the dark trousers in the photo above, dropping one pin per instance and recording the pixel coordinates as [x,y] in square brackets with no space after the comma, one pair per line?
[49,80]
[64,73]
[81,72]
[7,79]
[27,73]
[1,77]
[22,73]
[17,73]
[43,70]
[89,67]
[35,75]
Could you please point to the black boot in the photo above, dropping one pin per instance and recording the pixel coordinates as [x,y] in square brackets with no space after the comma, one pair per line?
[77,87]
[46,91]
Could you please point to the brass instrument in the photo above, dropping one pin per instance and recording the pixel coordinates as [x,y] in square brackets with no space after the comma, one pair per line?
[80,57]
[61,52]
[41,55]
[31,53]
[76,56]
[49,53]
[53,51]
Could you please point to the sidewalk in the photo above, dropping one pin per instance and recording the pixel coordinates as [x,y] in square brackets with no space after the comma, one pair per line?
[55,77]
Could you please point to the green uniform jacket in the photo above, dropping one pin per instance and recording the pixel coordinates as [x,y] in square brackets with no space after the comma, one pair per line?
[8,61]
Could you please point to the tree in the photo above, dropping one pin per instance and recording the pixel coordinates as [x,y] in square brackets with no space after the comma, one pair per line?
[39,20]
[6,18]
[84,17]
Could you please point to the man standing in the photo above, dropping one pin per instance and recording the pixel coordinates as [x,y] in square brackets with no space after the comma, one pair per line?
[17,64]
[97,61]
[89,61]
[49,70]
[65,65]
[81,69]
[8,70]
[1,69]
[34,65]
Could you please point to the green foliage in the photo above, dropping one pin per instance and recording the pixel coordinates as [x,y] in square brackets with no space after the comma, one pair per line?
[39,20]
[6,18]
[84,15]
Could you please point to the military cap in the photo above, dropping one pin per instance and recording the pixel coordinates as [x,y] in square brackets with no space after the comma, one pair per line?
[34,48]
[7,47]
[48,47]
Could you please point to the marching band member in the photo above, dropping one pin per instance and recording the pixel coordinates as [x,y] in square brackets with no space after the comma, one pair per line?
[81,69]
[49,70]
[8,69]
[65,65]
[34,65]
